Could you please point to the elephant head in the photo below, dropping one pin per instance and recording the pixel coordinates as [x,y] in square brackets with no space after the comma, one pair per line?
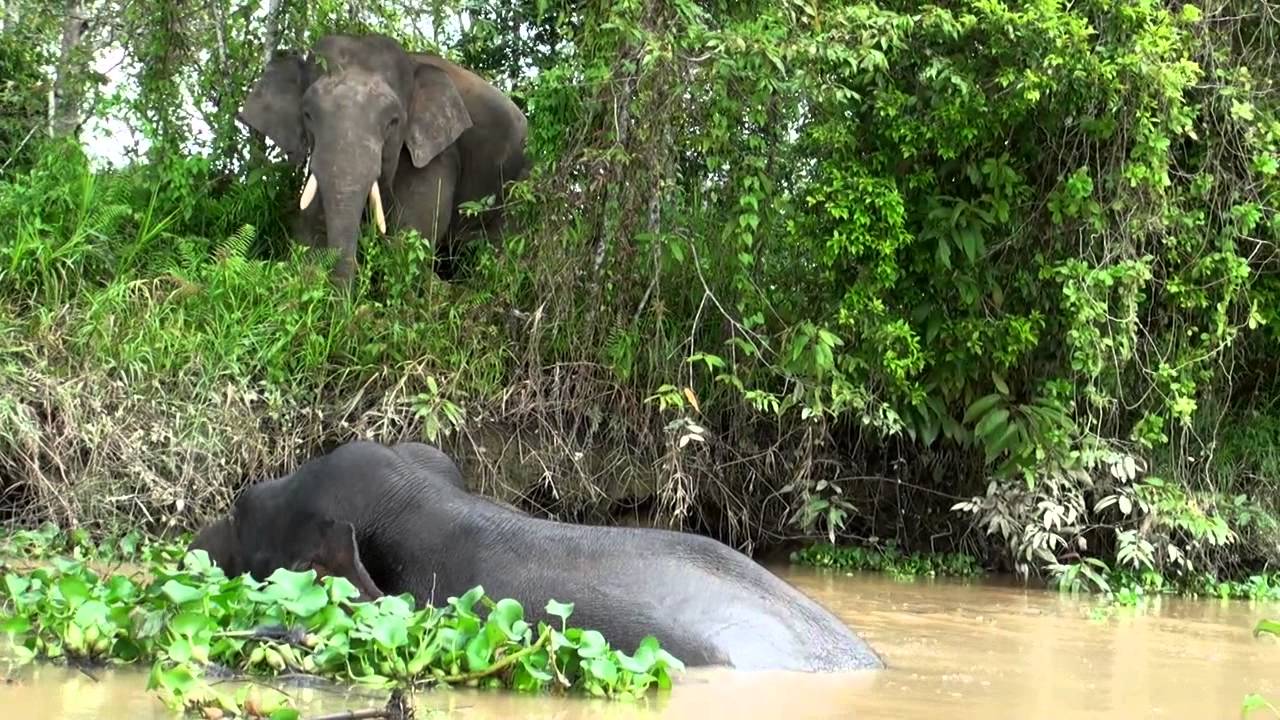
[348,109]
[319,544]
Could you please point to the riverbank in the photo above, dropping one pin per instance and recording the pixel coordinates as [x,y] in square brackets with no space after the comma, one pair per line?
[1113,585]
[979,279]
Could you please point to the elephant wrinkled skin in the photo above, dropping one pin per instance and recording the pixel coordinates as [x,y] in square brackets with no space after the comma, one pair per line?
[398,519]
[411,135]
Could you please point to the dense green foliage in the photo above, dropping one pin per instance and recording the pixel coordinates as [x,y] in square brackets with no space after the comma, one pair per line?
[185,617]
[892,270]
[889,560]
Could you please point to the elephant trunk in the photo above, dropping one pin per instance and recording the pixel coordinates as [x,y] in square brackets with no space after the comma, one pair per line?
[347,182]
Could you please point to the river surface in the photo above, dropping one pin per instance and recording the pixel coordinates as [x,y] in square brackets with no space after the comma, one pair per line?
[987,649]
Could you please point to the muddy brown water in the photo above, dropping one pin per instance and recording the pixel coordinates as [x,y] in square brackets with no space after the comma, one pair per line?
[989,649]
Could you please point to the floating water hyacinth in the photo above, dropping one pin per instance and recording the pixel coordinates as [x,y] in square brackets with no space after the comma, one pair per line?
[189,621]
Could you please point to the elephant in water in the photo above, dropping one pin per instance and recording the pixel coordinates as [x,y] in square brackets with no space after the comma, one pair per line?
[398,519]
[411,134]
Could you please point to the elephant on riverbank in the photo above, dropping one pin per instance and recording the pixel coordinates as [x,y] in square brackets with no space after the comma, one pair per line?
[411,134]
[397,519]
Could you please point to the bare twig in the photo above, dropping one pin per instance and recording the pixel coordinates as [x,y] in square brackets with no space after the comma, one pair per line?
[16,151]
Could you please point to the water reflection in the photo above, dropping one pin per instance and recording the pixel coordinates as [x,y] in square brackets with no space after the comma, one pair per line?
[989,650]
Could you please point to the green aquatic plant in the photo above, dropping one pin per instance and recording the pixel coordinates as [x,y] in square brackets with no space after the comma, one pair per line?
[191,621]
[49,541]
[1254,701]
[1267,626]
[888,559]
[1128,587]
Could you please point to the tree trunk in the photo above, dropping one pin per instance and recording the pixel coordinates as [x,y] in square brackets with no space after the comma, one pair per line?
[223,111]
[270,44]
[271,36]
[67,100]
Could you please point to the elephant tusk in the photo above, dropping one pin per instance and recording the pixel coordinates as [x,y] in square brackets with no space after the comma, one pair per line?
[375,200]
[308,192]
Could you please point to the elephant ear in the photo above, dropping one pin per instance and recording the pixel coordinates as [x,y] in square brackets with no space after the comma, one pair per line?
[337,554]
[437,114]
[274,105]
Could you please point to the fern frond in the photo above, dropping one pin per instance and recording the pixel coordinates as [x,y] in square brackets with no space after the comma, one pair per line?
[237,246]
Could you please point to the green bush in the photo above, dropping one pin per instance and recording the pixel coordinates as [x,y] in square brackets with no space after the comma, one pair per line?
[889,560]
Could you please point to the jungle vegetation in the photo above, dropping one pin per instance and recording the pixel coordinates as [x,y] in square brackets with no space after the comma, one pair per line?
[989,277]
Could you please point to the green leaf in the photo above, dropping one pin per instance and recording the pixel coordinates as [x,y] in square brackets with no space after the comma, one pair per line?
[1268,626]
[93,612]
[930,428]
[592,644]
[290,584]
[15,625]
[970,240]
[671,661]
[189,623]
[535,670]
[332,620]
[198,562]
[1254,702]
[15,585]
[1000,383]
[981,407]
[73,590]
[178,680]
[993,421]
[604,669]
[829,338]
[309,601]
[468,600]
[509,616]
[1007,439]
[180,650]
[561,640]
[560,610]
[180,594]
[944,254]
[121,589]
[650,644]
[390,633]
[340,589]
[642,662]
[400,606]
[478,652]
[677,250]
[823,358]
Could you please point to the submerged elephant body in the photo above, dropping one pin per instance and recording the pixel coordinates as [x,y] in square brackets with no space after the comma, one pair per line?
[398,519]
[410,135]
